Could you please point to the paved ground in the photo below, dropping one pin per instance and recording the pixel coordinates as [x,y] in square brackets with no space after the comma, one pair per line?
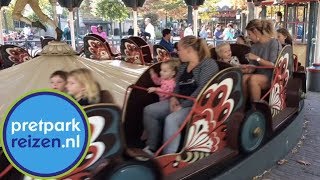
[303,163]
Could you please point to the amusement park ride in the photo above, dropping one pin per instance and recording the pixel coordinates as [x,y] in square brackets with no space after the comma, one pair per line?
[220,128]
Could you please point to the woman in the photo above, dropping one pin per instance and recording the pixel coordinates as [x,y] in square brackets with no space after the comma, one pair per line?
[99,31]
[195,71]
[284,37]
[264,52]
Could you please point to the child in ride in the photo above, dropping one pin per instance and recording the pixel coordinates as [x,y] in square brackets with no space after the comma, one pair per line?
[224,54]
[83,87]
[58,80]
[166,80]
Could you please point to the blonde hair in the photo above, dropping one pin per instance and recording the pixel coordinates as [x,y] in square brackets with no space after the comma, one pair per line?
[92,89]
[198,44]
[220,46]
[174,64]
[265,27]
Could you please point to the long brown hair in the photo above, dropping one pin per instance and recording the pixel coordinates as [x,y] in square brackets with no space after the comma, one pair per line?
[265,27]
[285,33]
[198,44]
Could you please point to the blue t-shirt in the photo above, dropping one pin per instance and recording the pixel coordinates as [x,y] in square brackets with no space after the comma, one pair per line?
[167,45]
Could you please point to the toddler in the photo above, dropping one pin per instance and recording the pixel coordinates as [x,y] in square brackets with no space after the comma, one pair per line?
[224,54]
[166,80]
[82,86]
[58,80]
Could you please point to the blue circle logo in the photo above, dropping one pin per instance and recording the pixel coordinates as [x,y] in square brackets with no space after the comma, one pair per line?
[45,134]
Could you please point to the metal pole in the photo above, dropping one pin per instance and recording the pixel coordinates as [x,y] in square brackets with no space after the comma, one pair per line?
[5,20]
[189,15]
[73,43]
[250,11]
[317,50]
[55,16]
[59,25]
[1,32]
[135,23]
[120,29]
[78,22]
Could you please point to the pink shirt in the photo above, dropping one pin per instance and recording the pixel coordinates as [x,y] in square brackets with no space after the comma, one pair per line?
[94,30]
[165,86]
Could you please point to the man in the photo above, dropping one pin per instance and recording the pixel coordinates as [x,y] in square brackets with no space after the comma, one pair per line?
[218,34]
[149,28]
[130,31]
[279,23]
[188,31]
[67,33]
[34,4]
[165,41]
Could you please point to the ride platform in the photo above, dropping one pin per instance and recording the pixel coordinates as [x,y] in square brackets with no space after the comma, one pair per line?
[302,144]
[303,162]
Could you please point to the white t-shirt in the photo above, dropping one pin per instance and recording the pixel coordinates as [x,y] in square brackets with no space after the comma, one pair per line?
[150,29]
[188,31]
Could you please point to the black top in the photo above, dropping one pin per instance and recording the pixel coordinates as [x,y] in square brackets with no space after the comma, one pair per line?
[202,73]
[83,102]
[187,84]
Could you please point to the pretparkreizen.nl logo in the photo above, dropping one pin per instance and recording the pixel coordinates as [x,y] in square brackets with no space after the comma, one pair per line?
[45,134]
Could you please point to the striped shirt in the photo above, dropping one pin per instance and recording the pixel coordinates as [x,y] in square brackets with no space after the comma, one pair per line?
[202,73]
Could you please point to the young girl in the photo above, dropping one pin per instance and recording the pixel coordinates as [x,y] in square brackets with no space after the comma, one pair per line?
[166,80]
[83,87]
[58,80]
[224,54]
[284,37]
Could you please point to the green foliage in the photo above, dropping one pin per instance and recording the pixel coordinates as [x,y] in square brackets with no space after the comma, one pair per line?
[46,8]
[209,7]
[8,14]
[110,10]
[170,8]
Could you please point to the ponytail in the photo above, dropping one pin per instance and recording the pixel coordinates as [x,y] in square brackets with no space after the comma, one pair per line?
[267,27]
[204,52]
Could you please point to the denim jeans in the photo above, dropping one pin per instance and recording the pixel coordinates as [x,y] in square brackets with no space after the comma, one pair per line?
[158,115]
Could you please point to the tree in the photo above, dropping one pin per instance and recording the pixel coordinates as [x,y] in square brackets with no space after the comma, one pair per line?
[166,8]
[207,10]
[153,17]
[110,10]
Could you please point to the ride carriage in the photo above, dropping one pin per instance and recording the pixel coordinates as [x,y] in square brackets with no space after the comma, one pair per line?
[95,47]
[135,50]
[11,55]
[218,130]
[160,53]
